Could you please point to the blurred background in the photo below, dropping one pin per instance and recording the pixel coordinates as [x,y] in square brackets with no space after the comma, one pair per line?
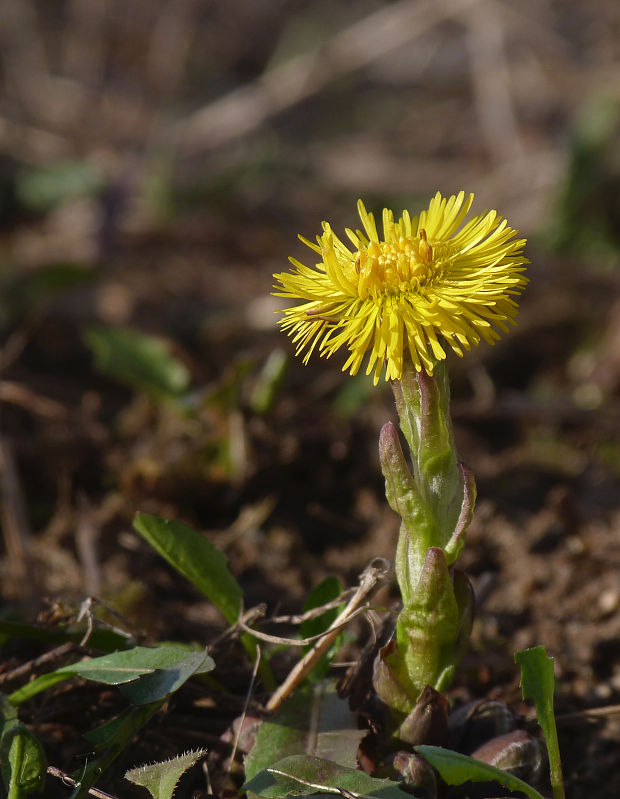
[157,160]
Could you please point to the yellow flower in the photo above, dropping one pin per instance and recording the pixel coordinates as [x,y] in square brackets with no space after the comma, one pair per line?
[429,281]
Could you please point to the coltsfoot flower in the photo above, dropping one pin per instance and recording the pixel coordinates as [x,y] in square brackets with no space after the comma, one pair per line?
[428,282]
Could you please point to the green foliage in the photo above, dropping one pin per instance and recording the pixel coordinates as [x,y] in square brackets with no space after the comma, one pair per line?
[269,382]
[302,775]
[137,360]
[455,769]
[36,686]
[154,672]
[8,715]
[314,721]
[204,565]
[122,728]
[23,762]
[196,558]
[111,739]
[586,215]
[160,779]
[538,684]
[40,189]
[145,675]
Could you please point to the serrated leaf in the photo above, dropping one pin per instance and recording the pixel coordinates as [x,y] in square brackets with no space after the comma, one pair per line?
[138,360]
[22,762]
[196,558]
[160,779]
[455,769]
[314,721]
[538,684]
[300,775]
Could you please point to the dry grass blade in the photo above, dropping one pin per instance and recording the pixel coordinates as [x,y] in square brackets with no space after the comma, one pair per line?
[374,574]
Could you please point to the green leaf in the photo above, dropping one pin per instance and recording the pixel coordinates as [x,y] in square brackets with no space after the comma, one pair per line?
[8,716]
[196,558]
[42,188]
[157,671]
[118,731]
[538,684]
[122,667]
[325,592]
[22,762]
[269,382]
[455,769]
[137,360]
[36,686]
[163,682]
[300,775]
[112,738]
[204,565]
[314,721]
[160,779]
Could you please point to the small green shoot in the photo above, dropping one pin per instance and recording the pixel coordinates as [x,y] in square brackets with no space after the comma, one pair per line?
[537,684]
[269,382]
[137,360]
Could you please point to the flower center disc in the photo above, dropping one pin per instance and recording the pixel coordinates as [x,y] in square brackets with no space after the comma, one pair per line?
[392,267]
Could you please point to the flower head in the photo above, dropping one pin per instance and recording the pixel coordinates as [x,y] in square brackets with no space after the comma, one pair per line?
[428,282]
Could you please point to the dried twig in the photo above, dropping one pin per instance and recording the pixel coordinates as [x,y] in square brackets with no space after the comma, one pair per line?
[32,665]
[21,395]
[590,713]
[67,780]
[280,641]
[314,613]
[367,40]
[374,574]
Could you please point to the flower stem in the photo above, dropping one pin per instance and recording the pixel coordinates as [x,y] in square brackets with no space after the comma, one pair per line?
[434,495]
